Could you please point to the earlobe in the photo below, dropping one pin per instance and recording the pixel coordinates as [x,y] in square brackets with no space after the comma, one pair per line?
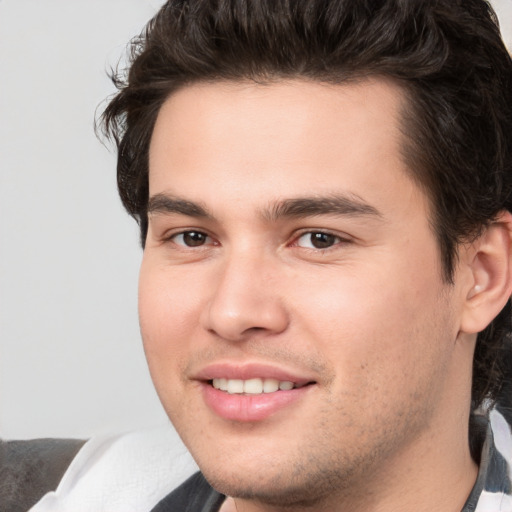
[490,265]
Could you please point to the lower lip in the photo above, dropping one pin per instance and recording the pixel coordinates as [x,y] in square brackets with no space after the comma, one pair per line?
[249,408]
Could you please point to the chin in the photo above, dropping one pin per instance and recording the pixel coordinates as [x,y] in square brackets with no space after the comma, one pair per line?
[292,484]
[282,491]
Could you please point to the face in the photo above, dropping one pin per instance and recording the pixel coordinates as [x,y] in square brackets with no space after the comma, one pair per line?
[292,307]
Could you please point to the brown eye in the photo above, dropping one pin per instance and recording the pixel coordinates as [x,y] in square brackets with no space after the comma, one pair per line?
[191,238]
[317,240]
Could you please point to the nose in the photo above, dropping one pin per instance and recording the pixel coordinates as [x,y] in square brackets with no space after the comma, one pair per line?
[245,300]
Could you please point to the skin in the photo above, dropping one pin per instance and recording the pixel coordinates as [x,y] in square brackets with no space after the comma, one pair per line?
[368,317]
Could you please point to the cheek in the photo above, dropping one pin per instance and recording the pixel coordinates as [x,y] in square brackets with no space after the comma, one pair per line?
[168,316]
[379,331]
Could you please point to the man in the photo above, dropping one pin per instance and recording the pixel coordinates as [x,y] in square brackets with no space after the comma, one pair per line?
[324,196]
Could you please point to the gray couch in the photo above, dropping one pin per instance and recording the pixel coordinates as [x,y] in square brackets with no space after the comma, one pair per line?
[30,469]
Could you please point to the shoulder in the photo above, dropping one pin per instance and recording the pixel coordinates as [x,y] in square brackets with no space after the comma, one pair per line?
[131,471]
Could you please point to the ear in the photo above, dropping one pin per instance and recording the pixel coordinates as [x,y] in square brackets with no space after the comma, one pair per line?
[489,260]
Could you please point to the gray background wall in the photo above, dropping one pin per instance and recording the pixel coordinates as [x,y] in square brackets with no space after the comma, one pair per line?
[71,362]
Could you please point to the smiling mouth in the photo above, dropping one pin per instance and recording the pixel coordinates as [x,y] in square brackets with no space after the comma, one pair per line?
[256,386]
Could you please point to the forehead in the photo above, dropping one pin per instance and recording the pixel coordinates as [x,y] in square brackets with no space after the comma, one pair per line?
[250,141]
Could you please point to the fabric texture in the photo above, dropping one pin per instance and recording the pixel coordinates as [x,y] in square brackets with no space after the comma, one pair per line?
[492,491]
[123,473]
[195,495]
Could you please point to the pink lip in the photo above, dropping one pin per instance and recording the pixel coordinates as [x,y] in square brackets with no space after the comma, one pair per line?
[249,408]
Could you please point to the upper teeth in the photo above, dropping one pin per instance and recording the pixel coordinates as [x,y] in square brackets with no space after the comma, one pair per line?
[252,386]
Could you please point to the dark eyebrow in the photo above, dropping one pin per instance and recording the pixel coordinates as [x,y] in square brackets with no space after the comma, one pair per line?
[162,203]
[349,205]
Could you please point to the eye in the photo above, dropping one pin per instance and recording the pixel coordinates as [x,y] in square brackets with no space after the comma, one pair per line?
[317,240]
[191,238]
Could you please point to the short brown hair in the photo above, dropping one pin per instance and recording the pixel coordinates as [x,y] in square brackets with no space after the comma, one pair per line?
[447,55]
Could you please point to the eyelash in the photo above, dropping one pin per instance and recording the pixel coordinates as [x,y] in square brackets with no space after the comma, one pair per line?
[335,239]
[184,233]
